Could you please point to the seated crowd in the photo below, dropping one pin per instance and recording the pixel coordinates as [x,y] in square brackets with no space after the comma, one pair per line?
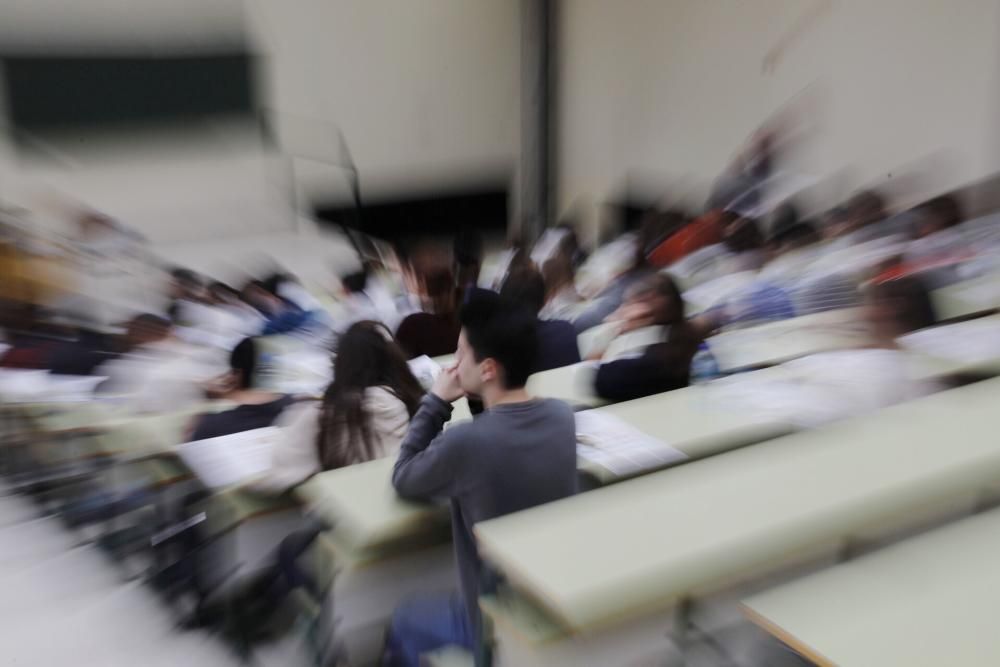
[638,310]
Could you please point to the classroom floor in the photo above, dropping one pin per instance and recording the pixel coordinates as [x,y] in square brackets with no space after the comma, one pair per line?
[66,603]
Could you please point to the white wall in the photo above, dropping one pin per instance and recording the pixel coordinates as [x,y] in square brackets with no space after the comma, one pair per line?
[425,93]
[655,92]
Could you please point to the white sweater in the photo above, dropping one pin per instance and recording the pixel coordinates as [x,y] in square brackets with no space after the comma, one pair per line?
[295,456]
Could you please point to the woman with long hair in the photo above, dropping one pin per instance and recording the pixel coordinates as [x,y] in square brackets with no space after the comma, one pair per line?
[662,366]
[363,415]
[367,408]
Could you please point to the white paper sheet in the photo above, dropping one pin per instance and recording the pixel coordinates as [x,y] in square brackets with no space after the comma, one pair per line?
[618,447]
[425,370]
[230,460]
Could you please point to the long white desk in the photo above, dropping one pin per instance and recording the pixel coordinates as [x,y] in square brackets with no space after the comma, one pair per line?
[692,421]
[924,602]
[368,515]
[386,547]
[573,384]
[968,298]
[634,550]
[776,342]
[971,347]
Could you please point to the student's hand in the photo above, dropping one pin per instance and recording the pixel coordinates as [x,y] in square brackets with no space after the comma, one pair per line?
[446,386]
[638,316]
[219,386]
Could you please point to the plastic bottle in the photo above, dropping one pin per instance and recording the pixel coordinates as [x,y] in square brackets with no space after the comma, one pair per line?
[703,365]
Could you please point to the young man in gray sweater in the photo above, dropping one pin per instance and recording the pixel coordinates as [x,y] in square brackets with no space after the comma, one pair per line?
[520,452]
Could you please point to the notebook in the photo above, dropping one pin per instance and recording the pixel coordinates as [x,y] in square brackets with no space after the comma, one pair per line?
[619,447]
[425,370]
[230,460]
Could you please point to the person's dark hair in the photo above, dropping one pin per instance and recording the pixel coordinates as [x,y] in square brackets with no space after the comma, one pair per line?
[569,244]
[662,285]
[865,208]
[146,328]
[223,292]
[557,271]
[507,332]
[152,321]
[366,357]
[243,360]
[183,275]
[186,278]
[440,286]
[682,338]
[656,227]
[910,301]
[743,234]
[468,247]
[796,236]
[260,285]
[355,282]
[273,282]
[783,218]
[525,286]
[944,211]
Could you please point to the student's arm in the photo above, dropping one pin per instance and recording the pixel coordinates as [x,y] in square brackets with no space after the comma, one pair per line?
[429,460]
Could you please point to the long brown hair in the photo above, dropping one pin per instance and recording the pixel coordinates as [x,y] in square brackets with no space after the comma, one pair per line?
[682,339]
[366,357]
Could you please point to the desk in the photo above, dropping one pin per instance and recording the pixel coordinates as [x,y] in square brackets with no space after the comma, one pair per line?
[632,550]
[364,511]
[573,384]
[690,420]
[369,517]
[776,342]
[967,298]
[375,531]
[380,547]
[965,348]
[924,602]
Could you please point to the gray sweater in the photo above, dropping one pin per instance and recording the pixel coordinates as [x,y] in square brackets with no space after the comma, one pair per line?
[510,458]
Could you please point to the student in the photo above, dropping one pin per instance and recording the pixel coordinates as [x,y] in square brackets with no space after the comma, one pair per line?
[280,315]
[561,297]
[862,210]
[363,415]
[661,366]
[937,215]
[828,386]
[185,288]
[467,251]
[241,317]
[742,237]
[433,333]
[156,373]
[256,408]
[612,296]
[358,305]
[519,453]
[556,338]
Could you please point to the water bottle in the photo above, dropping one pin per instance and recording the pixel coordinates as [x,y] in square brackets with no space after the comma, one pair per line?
[703,365]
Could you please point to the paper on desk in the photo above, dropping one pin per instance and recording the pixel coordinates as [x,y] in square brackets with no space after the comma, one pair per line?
[425,370]
[618,447]
[230,460]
